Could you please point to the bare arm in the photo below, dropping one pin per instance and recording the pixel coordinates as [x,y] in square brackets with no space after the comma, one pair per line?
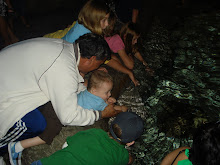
[121,108]
[127,60]
[109,111]
[140,58]
[135,13]
[119,67]
[171,156]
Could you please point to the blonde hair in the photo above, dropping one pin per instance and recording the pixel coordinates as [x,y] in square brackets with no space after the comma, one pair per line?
[128,31]
[92,13]
[97,78]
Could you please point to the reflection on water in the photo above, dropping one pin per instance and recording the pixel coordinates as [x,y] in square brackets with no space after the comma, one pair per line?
[184,92]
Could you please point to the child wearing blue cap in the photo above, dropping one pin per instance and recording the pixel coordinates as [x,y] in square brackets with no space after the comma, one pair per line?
[95,146]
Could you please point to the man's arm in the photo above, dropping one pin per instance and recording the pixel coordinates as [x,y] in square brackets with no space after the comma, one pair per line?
[121,108]
[60,83]
[109,111]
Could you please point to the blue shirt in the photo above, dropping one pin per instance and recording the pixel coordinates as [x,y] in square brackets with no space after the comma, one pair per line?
[89,101]
[75,32]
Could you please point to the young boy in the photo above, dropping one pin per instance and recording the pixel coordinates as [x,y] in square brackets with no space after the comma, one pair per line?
[97,95]
[95,146]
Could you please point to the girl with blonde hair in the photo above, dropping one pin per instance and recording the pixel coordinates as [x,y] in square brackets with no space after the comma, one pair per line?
[92,18]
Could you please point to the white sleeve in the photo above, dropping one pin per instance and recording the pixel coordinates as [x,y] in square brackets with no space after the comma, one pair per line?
[81,88]
[60,84]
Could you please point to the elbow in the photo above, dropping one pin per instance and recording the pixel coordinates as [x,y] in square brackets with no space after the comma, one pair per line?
[65,122]
[67,119]
[78,119]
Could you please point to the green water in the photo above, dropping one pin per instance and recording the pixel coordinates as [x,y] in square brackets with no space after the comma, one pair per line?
[184,91]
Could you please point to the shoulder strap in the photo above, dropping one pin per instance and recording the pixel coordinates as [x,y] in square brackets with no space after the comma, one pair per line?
[177,156]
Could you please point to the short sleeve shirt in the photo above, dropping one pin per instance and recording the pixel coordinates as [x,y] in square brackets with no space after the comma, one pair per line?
[75,32]
[185,161]
[89,101]
[115,43]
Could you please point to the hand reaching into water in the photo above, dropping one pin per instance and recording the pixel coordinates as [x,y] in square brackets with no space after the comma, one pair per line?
[150,71]
[135,81]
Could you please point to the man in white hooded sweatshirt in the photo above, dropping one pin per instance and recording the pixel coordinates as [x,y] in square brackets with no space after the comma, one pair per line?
[41,70]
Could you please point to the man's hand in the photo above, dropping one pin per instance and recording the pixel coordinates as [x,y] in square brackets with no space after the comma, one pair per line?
[124,108]
[109,111]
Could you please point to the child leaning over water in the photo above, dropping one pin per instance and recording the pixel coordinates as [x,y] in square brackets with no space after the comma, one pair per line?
[117,46]
[98,92]
[92,18]
[125,45]
[95,146]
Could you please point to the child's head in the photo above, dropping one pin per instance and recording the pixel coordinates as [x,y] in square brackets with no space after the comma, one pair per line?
[100,84]
[206,145]
[127,127]
[129,34]
[94,15]
[109,30]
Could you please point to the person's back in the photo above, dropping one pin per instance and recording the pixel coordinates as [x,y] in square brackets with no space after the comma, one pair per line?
[92,146]
[95,146]
[20,65]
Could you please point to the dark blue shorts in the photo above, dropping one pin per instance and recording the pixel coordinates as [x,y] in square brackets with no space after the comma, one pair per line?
[36,163]
[31,125]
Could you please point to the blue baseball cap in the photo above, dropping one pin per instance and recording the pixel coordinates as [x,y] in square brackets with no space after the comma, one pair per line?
[131,125]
